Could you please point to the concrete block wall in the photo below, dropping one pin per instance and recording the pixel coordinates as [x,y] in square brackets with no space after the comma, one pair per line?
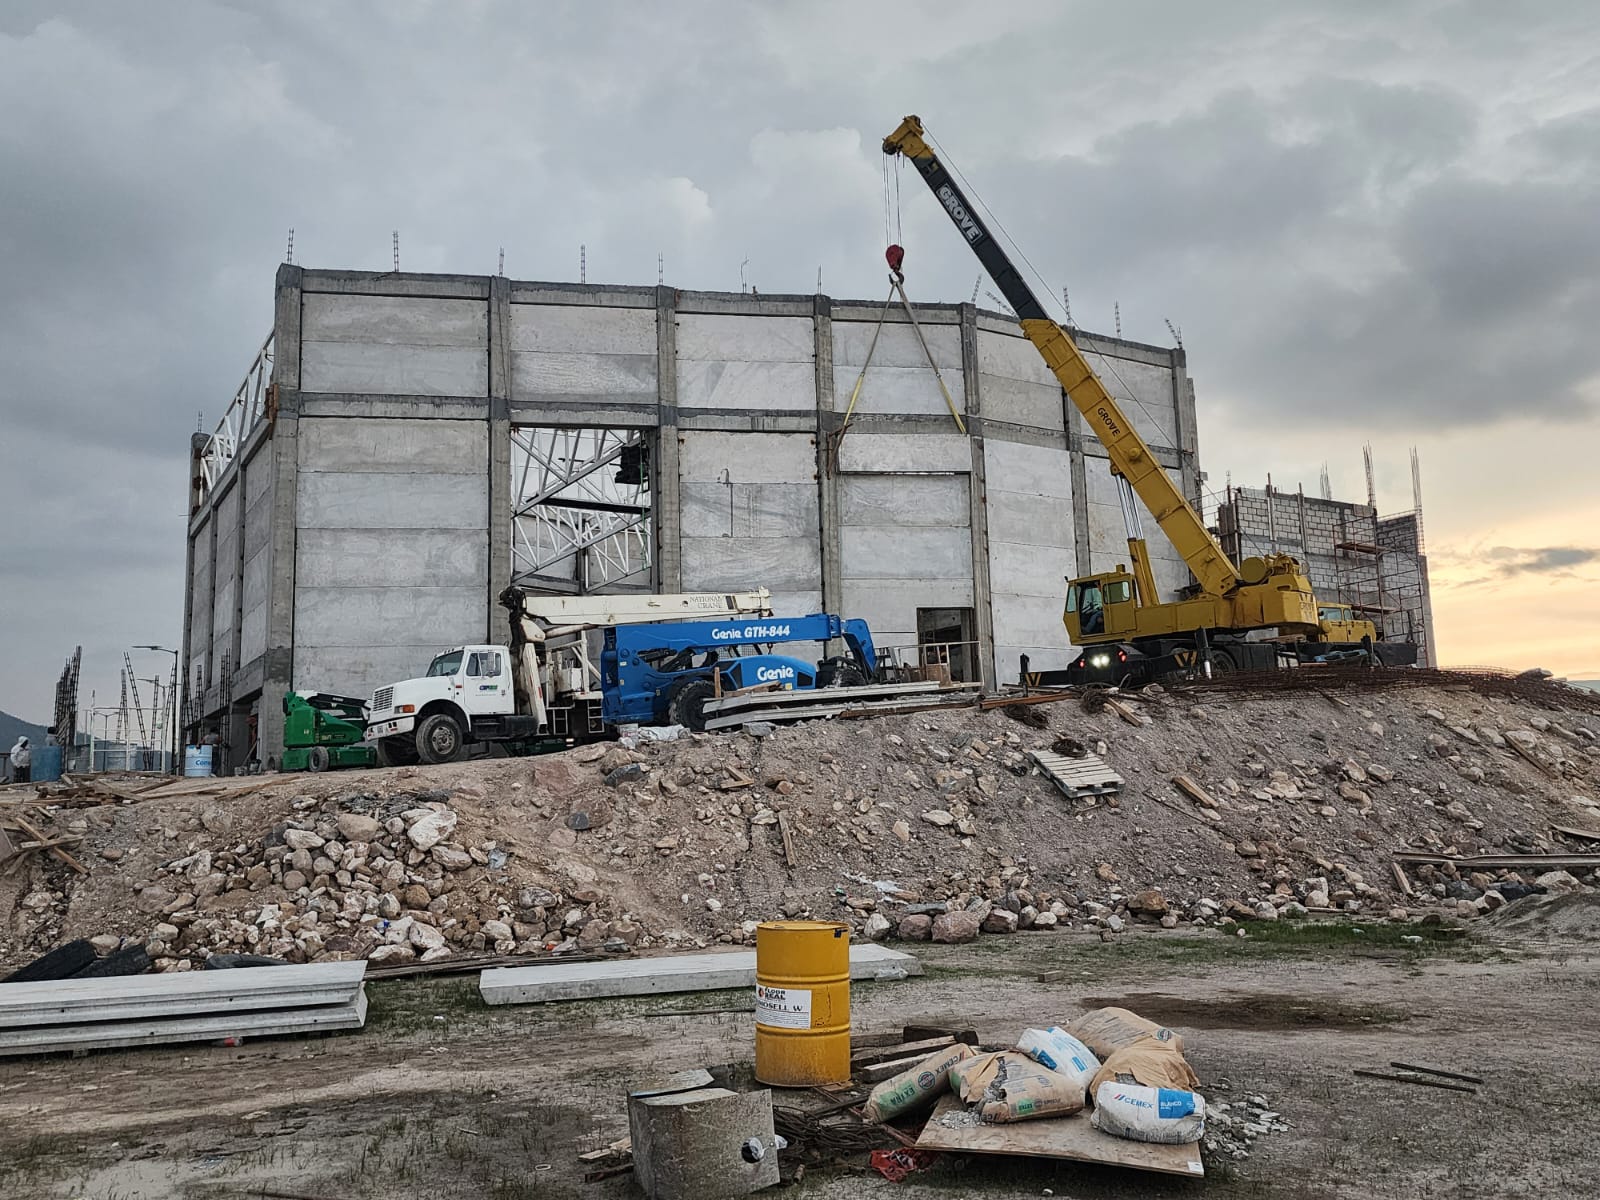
[371,524]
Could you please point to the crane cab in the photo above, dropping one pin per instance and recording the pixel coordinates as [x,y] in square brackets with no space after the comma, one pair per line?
[1337,623]
[1101,608]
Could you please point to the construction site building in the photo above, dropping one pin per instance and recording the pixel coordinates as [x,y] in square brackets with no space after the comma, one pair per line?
[405,446]
[1377,565]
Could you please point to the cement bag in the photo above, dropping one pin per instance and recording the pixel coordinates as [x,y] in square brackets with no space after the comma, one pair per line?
[1060,1051]
[1147,1114]
[915,1087]
[1106,1030]
[1012,1087]
[965,1071]
[1152,1063]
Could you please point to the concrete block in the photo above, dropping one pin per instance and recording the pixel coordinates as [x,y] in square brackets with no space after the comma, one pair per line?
[1038,406]
[704,457]
[369,500]
[790,386]
[780,564]
[664,975]
[222,605]
[786,510]
[254,584]
[898,390]
[1012,357]
[389,370]
[910,453]
[1029,520]
[1031,470]
[897,347]
[214,1027]
[391,558]
[400,321]
[258,525]
[902,552]
[937,500]
[253,633]
[400,616]
[690,1145]
[393,446]
[582,329]
[619,376]
[707,337]
[1031,570]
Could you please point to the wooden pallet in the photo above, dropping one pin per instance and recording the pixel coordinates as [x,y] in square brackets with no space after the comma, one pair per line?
[1078,777]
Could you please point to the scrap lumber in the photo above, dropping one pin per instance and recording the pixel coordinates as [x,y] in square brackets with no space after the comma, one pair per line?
[888,1069]
[55,851]
[878,1054]
[1548,768]
[1072,1137]
[1194,791]
[1548,862]
[1137,719]
[735,779]
[1400,879]
[1078,778]
[665,974]
[788,841]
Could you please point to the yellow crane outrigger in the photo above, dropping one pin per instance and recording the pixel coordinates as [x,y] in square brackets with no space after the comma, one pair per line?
[1128,630]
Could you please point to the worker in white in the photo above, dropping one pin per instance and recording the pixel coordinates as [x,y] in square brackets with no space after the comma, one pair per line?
[21,761]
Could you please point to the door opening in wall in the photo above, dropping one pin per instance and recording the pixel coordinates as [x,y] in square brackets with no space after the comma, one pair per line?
[581,514]
[949,637]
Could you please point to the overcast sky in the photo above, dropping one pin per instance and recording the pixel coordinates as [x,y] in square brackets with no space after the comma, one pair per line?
[1370,221]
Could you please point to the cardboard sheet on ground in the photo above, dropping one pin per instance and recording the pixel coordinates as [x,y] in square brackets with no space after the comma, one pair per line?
[1059,1137]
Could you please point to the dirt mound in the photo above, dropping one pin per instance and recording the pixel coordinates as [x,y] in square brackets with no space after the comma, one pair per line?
[1573,917]
[1303,801]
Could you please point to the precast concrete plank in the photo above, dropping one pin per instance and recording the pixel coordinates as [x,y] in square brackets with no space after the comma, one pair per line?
[665,975]
[125,997]
[155,1031]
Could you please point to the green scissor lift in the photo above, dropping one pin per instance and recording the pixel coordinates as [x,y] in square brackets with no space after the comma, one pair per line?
[321,732]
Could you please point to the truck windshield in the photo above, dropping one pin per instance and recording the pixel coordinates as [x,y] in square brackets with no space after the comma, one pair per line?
[445,664]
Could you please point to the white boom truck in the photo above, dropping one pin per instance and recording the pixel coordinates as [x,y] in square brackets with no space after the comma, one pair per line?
[546,687]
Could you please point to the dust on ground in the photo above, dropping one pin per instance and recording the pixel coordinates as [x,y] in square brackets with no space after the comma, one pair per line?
[442,1097]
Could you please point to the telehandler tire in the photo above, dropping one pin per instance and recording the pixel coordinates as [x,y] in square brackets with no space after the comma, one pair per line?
[686,705]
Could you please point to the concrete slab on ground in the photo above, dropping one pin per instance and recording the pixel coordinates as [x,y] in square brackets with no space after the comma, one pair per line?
[657,976]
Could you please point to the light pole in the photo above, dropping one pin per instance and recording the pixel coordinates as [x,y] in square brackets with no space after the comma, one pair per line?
[172,708]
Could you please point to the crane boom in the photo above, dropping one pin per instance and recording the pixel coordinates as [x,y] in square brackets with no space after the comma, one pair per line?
[1131,456]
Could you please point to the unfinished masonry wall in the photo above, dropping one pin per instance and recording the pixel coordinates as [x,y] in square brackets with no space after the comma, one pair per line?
[367,524]
[1377,564]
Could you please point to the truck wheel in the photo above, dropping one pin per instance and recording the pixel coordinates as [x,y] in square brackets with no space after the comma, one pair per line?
[317,759]
[1222,664]
[686,705]
[439,738]
[396,752]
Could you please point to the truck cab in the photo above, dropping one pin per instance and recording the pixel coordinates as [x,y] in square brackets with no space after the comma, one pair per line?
[465,694]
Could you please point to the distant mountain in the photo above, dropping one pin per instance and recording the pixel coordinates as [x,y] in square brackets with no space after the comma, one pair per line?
[11,728]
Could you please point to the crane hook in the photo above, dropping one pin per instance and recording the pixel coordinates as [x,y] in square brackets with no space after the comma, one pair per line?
[895,255]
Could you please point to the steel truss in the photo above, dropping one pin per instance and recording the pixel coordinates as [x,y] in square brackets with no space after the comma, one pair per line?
[245,411]
[574,526]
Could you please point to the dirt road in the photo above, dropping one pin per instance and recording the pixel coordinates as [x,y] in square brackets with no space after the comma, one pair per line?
[441,1097]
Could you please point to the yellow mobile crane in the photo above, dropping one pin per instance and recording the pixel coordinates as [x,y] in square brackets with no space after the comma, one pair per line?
[1128,632]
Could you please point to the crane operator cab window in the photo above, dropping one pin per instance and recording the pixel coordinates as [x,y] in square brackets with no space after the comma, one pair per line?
[1085,599]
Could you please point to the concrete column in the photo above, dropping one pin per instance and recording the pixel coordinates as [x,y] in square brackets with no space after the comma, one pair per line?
[664,505]
[197,445]
[501,502]
[827,481]
[978,500]
[1072,424]
[278,674]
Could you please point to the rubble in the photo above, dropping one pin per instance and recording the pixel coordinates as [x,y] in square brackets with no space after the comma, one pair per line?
[913,826]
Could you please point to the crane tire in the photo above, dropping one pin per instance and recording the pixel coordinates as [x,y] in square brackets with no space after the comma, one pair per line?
[686,704]
[317,759]
[1222,664]
[439,738]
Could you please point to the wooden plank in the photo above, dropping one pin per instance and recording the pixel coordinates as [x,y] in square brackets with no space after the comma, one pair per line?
[788,841]
[1137,719]
[888,1069]
[1548,768]
[1072,1138]
[663,975]
[1549,862]
[328,1018]
[67,1001]
[1418,1080]
[1436,1071]
[1576,831]
[1194,791]
[753,698]
[55,851]
[877,1054]
[1403,883]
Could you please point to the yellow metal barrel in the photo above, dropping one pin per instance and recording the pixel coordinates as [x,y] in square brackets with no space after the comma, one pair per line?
[802,1003]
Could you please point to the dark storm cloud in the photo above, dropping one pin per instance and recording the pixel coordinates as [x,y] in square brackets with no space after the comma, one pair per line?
[1377,216]
[1541,560]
